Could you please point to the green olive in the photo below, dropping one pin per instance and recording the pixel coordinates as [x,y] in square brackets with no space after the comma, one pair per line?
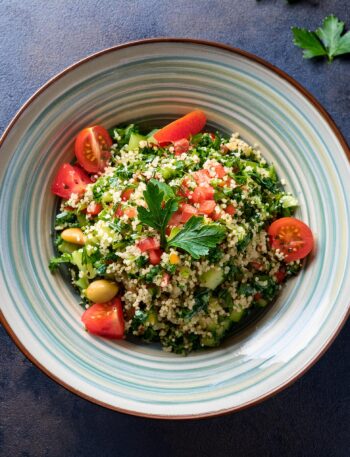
[101,291]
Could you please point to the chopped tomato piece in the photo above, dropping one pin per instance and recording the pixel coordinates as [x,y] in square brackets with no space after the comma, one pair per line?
[225,182]
[130,211]
[119,212]
[216,215]
[184,190]
[202,176]
[207,207]
[257,296]
[256,265]
[94,208]
[126,194]
[187,212]
[292,237]
[175,219]
[202,193]
[165,280]
[155,256]
[181,146]
[280,275]
[190,124]
[220,171]
[105,319]
[70,180]
[147,244]
[230,209]
[92,148]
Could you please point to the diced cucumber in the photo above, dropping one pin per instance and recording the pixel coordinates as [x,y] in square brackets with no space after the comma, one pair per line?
[236,316]
[67,248]
[214,304]
[152,317]
[262,302]
[88,269]
[222,327]
[185,272]
[77,257]
[168,172]
[212,278]
[209,341]
[82,283]
[135,139]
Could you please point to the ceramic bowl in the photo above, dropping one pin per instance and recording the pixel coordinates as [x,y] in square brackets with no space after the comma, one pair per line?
[162,79]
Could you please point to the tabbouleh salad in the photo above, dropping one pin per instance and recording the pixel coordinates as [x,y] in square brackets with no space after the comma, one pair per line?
[175,236]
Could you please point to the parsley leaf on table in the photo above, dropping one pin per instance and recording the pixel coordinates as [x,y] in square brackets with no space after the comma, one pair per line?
[325,41]
[196,237]
[159,209]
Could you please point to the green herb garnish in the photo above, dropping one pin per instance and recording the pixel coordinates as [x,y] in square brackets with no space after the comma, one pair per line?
[159,209]
[196,237]
[325,41]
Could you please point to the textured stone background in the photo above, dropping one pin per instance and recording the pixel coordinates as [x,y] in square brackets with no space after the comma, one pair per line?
[39,418]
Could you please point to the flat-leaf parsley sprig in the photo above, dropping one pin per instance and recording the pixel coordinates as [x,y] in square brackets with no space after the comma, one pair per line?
[327,40]
[159,209]
[196,237]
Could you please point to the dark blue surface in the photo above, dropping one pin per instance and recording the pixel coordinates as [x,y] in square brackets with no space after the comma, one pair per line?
[39,418]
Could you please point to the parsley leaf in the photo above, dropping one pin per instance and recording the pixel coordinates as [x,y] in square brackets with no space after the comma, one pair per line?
[163,187]
[325,41]
[159,209]
[196,237]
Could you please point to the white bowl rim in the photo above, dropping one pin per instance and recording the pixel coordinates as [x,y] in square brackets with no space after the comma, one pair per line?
[221,46]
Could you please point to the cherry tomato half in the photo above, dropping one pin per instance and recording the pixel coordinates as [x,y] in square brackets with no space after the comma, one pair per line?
[105,319]
[70,180]
[92,148]
[292,237]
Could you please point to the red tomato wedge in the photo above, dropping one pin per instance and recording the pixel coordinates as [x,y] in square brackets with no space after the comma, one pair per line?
[70,180]
[292,237]
[190,124]
[147,244]
[92,148]
[105,319]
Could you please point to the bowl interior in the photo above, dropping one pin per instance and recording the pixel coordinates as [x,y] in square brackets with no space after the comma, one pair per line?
[152,82]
